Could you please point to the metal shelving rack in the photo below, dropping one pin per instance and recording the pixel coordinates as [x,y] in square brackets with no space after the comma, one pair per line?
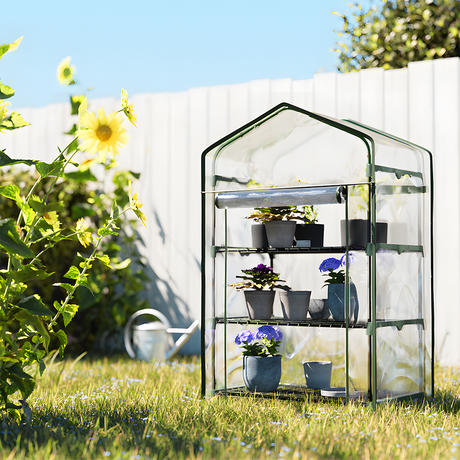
[232,179]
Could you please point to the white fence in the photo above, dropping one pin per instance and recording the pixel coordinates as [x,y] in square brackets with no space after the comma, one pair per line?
[420,103]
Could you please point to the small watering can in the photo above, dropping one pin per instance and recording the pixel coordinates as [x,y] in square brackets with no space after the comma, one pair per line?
[151,341]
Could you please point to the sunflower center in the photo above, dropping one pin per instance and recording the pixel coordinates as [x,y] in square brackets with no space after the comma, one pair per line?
[103,133]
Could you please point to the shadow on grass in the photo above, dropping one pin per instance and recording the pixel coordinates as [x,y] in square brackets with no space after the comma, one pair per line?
[87,436]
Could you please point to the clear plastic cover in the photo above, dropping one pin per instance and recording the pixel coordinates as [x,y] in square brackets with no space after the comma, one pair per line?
[388,182]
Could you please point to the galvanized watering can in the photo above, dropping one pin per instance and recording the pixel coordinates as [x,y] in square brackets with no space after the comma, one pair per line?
[152,341]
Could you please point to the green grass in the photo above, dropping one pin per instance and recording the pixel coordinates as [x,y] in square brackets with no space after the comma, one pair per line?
[118,408]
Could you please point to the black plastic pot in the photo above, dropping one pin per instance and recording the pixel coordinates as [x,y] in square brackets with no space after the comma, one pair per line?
[310,232]
[359,233]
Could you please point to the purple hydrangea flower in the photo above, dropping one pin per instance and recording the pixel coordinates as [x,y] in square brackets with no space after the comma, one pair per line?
[330,264]
[269,332]
[262,269]
[245,337]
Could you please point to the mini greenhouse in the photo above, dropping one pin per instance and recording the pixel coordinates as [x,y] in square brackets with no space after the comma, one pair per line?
[372,193]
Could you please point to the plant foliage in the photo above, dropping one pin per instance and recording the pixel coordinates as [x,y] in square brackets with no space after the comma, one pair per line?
[29,319]
[399,32]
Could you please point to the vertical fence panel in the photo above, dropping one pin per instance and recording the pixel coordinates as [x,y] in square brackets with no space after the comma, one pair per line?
[348,96]
[218,113]
[259,97]
[302,94]
[159,232]
[372,87]
[396,102]
[447,205]
[238,105]
[325,88]
[280,91]
[421,103]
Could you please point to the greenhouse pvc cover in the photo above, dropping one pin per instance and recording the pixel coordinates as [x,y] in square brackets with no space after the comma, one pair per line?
[352,172]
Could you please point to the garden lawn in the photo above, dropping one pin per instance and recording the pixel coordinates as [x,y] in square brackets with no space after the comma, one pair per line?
[122,409]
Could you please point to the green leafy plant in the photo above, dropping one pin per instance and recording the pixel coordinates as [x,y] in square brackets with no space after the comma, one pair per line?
[309,214]
[27,322]
[260,277]
[266,214]
[398,32]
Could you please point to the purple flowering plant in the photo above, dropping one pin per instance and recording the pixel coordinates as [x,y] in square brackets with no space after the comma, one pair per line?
[260,277]
[263,342]
[332,268]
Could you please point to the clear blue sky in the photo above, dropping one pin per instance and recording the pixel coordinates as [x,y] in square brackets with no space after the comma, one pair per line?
[163,45]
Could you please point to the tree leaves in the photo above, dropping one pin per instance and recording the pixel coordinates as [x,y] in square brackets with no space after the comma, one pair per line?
[399,32]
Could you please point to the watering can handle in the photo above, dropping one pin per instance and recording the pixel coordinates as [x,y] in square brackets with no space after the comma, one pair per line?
[145,311]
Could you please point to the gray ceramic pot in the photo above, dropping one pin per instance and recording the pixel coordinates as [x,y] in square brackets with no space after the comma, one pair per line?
[259,236]
[280,233]
[336,302]
[317,374]
[319,309]
[294,304]
[261,373]
[259,303]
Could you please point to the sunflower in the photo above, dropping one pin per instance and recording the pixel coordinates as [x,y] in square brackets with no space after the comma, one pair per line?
[65,72]
[102,134]
[128,108]
[136,205]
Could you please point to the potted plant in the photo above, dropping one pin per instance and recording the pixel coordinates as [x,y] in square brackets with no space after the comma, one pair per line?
[258,284]
[279,224]
[358,225]
[332,269]
[309,234]
[261,363]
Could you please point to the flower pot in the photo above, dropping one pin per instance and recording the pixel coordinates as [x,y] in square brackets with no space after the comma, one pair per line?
[336,302]
[259,236]
[319,309]
[259,303]
[280,233]
[358,232]
[261,373]
[317,374]
[309,235]
[294,304]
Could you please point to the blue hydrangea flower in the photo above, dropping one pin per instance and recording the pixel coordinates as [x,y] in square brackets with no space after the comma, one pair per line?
[245,337]
[269,332]
[343,259]
[330,264]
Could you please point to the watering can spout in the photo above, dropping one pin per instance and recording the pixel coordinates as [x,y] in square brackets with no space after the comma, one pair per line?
[150,339]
